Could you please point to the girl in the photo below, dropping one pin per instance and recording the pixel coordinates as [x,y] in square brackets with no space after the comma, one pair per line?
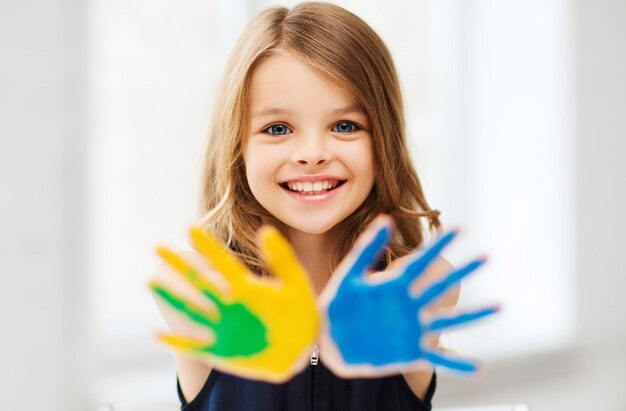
[308,135]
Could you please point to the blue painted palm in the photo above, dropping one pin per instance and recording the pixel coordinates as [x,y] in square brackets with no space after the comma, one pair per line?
[376,325]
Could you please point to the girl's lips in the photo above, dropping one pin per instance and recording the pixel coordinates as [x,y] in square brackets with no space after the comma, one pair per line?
[313,198]
[312,178]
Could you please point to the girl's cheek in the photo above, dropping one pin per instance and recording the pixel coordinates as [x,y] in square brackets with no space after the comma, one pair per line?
[361,156]
[261,161]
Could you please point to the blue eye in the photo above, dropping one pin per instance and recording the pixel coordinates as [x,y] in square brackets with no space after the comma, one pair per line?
[345,127]
[278,130]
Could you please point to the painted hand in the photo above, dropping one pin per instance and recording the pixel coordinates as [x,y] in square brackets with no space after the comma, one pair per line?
[373,324]
[262,328]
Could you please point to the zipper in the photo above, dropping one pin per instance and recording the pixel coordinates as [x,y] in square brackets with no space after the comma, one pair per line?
[315,355]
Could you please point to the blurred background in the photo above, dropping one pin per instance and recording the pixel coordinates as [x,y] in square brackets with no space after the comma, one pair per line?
[517,116]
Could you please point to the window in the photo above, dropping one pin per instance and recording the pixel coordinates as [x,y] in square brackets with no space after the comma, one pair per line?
[500,120]
[153,67]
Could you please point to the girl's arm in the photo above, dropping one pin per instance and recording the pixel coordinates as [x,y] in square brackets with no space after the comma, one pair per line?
[192,374]
[419,381]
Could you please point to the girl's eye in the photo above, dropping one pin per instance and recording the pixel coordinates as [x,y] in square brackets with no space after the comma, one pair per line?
[278,130]
[345,127]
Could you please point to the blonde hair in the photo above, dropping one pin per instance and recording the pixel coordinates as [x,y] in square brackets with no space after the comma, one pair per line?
[343,47]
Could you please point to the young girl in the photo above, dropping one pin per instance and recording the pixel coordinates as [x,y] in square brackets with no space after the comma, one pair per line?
[308,135]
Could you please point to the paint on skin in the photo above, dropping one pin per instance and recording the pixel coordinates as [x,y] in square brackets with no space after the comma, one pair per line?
[261,327]
[238,332]
[379,324]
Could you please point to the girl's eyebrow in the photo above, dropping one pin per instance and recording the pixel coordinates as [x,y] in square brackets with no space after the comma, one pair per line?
[351,109]
[275,110]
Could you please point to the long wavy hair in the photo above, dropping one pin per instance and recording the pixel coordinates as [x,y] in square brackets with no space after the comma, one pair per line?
[343,47]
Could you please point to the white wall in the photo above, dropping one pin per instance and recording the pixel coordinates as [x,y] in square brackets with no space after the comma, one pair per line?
[42,313]
[601,171]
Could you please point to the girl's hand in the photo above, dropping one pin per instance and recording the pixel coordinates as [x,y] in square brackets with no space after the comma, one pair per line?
[261,328]
[373,325]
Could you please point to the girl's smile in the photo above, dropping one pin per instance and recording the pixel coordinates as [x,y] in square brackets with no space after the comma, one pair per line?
[313,188]
[308,156]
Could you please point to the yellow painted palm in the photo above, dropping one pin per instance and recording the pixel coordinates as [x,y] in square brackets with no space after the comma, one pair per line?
[262,328]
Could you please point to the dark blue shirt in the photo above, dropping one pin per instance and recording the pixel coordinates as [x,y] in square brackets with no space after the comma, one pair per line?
[314,389]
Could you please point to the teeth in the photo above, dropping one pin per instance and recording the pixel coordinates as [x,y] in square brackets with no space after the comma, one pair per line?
[308,186]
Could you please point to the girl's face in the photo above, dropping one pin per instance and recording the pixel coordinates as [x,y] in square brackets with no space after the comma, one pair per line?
[308,157]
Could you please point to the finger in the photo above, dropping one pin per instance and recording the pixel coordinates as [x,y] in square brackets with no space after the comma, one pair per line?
[435,290]
[352,267]
[193,312]
[281,259]
[221,259]
[190,274]
[452,363]
[201,349]
[445,322]
[369,247]
[415,268]
[184,343]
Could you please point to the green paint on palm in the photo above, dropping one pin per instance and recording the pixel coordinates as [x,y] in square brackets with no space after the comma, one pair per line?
[238,332]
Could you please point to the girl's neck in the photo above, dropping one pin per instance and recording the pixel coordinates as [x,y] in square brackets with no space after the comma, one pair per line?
[313,251]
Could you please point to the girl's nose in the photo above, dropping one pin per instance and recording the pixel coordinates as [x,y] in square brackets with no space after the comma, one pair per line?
[311,151]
